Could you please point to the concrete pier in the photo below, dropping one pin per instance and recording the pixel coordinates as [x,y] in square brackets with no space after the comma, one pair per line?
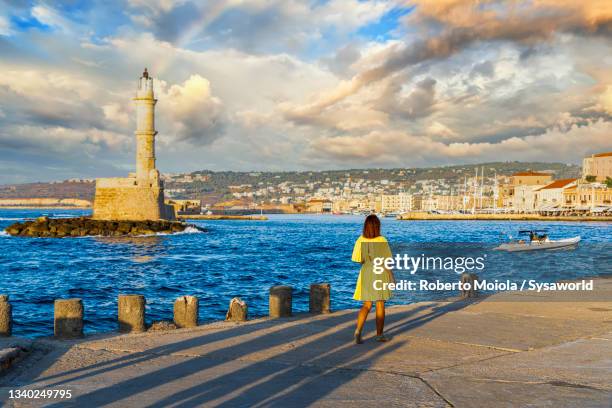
[280,301]
[131,313]
[186,311]
[68,318]
[320,298]
[510,350]
[6,317]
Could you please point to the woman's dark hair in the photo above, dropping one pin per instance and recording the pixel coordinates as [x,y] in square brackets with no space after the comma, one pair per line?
[371,227]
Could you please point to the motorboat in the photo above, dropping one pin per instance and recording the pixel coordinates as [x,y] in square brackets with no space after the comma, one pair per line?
[538,242]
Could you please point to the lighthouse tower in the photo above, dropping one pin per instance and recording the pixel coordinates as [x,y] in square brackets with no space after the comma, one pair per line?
[145,129]
[140,196]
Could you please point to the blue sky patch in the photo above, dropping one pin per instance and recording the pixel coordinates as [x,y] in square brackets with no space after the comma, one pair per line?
[386,27]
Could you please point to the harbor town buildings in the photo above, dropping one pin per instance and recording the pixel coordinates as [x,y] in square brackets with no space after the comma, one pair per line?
[597,167]
[521,192]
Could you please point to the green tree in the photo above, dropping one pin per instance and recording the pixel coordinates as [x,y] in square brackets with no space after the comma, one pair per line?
[590,178]
[609,182]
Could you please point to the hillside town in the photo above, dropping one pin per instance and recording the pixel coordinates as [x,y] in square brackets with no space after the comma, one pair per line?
[488,188]
[484,191]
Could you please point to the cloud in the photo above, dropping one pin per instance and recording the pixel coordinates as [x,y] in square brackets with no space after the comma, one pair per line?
[419,102]
[402,149]
[255,26]
[50,17]
[196,115]
[438,130]
[115,112]
[485,69]
[451,26]
[340,63]
[286,84]
[5,26]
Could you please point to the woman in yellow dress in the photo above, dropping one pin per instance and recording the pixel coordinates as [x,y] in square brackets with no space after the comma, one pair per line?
[369,246]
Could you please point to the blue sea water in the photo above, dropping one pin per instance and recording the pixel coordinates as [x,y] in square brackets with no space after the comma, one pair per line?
[245,258]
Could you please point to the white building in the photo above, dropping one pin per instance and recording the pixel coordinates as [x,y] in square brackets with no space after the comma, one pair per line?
[524,198]
[401,202]
[597,165]
[551,195]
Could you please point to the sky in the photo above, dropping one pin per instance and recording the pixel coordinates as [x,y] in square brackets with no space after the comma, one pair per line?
[302,85]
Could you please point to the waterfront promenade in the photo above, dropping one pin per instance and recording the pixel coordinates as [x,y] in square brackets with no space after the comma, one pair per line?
[424,216]
[522,349]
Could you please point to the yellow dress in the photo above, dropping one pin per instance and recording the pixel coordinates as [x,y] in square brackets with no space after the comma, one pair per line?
[365,250]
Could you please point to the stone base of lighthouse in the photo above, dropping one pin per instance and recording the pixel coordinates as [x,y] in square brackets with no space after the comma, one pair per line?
[131,199]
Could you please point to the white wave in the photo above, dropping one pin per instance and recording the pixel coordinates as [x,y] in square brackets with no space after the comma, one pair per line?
[3,233]
[10,218]
[188,230]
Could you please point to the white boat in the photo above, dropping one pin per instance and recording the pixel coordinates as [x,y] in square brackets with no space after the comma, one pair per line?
[535,245]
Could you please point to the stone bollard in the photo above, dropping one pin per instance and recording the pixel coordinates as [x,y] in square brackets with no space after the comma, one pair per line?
[470,278]
[6,316]
[280,301]
[131,313]
[320,299]
[237,311]
[68,318]
[186,309]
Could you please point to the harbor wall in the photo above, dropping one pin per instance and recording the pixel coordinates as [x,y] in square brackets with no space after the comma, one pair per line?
[500,217]
[44,203]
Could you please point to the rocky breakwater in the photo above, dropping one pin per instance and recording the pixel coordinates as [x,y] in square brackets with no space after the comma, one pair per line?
[83,226]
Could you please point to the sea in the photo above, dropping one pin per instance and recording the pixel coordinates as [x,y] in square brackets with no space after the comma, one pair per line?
[245,258]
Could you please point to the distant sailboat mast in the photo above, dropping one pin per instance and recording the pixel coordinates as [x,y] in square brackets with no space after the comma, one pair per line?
[481,186]
[495,193]
[475,185]
[465,196]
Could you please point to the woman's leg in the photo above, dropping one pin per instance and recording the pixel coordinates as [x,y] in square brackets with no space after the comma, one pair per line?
[380,317]
[363,315]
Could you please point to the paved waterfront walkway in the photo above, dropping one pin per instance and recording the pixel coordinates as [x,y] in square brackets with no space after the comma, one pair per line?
[489,353]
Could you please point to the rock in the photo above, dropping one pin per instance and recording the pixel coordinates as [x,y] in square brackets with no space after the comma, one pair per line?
[237,311]
[80,227]
[124,227]
[14,229]
[162,326]
[64,229]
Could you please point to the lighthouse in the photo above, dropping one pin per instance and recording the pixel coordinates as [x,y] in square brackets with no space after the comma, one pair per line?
[140,196]
[145,129]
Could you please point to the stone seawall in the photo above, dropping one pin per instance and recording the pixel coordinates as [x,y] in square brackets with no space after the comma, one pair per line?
[423,216]
[44,203]
[83,226]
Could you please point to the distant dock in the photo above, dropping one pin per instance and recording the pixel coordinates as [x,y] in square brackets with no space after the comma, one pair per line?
[222,217]
[498,217]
